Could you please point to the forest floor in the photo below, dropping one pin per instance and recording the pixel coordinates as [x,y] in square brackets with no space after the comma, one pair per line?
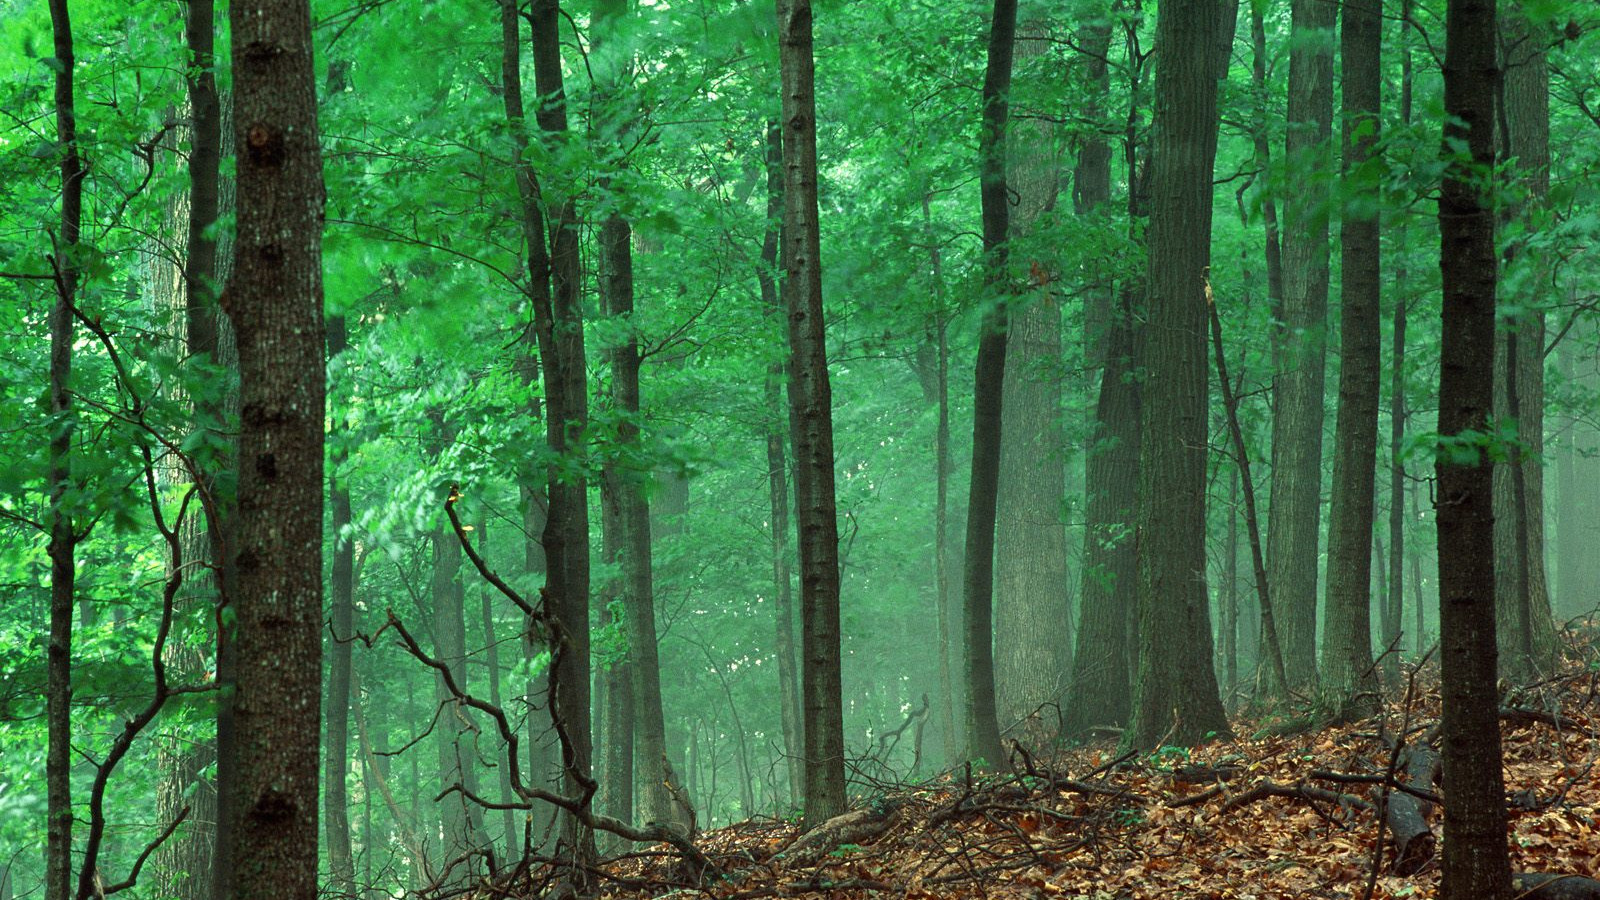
[1263,815]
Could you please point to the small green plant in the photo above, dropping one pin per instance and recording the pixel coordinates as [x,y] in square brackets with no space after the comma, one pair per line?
[1168,756]
[844,850]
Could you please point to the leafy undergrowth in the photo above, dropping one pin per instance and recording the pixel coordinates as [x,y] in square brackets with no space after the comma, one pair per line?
[1254,817]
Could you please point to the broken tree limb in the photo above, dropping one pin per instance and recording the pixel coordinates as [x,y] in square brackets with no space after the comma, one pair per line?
[1546,886]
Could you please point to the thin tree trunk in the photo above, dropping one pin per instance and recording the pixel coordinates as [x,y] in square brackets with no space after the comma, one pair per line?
[336,802]
[1528,644]
[491,645]
[1102,688]
[63,534]
[615,700]
[633,511]
[552,289]
[1230,593]
[983,730]
[1262,140]
[1399,410]
[1270,642]
[1475,863]
[811,422]
[560,329]
[778,480]
[1349,682]
[460,819]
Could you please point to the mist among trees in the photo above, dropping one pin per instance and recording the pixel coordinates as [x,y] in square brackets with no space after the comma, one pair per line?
[534,448]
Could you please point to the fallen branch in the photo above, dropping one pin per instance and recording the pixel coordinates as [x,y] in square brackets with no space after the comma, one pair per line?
[1295,792]
[1544,886]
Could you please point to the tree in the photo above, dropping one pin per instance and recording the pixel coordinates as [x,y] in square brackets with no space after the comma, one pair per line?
[983,729]
[1475,863]
[1102,687]
[630,487]
[1295,515]
[1176,690]
[63,533]
[552,288]
[460,819]
[1348,676]
[810,422]
[789,714]
[1528,644]
[1032,598]
[187,861]
[341,585]
[274,299]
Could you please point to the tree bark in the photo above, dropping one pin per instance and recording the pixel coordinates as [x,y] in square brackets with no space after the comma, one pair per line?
[1102,686]
[778,480]
[1295,515]
[492,657]
[1032,602]
[983,730]
[1349,682]
[336,800]
[811,422]
[552,288]
[1528,644]
[63,533]
[1475,863]
[460,820]
[274,299]
[1175,695]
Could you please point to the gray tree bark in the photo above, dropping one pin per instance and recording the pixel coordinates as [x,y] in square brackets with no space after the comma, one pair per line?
[1295,515]
[1349,681]
[274,299]
[811,422]
[1175,694]
[1032,602]
[1475,864]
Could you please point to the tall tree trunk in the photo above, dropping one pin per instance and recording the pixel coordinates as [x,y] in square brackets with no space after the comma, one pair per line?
[983,730]
[553,291]
[1293,522]
[1528,644]
[1261,133]
[533,489]
[336,801]
[460,819]
[1175,695]
[1399,410]
[778,479]
[1348,687]
[1475,862]
[650,750]
[811,422]
[185,864]
[615,703]
[63,534]
[275,301]
[560,328]
[1578,475]
[1032,603]
[508,825]
[1102,686]
[616,251]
